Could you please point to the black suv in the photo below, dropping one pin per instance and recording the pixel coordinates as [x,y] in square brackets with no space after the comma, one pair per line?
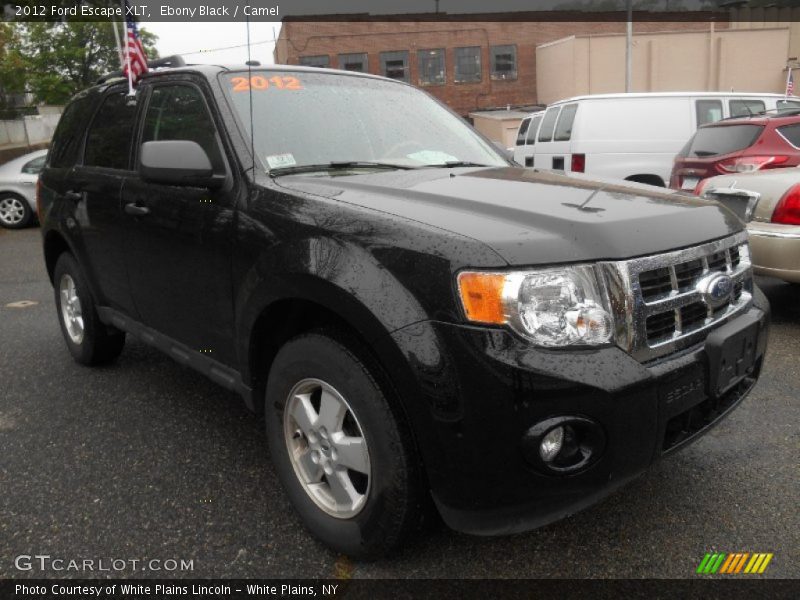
[417,318]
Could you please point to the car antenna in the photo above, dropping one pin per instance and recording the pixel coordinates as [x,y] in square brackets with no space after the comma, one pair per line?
[250,97]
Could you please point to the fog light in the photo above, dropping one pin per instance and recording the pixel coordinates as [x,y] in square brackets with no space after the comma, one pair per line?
[563,445]
[551,444]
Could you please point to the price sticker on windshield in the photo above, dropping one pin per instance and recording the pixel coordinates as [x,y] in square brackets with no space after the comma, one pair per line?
[259,82]
[278,161]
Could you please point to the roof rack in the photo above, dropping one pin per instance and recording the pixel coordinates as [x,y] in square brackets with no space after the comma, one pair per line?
[168,62]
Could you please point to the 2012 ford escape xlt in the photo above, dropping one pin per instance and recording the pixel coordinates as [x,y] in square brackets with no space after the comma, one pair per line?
[422,323]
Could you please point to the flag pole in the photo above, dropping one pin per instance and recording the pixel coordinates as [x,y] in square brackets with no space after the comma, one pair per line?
[119,44]
[128,53]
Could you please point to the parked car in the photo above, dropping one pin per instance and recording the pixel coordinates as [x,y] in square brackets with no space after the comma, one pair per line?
[629,136]
[769,201]
[741,145]
[18,189]
[415,317]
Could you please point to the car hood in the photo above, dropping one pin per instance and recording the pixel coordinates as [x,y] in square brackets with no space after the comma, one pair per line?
[533,217]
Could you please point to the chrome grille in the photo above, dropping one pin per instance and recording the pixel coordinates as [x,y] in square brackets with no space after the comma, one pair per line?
[657,305]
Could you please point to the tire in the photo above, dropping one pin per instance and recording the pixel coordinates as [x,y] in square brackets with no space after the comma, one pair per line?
[383,506]
[15,212]
[89,340]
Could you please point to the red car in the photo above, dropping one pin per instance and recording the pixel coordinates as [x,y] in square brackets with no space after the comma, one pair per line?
[738,145]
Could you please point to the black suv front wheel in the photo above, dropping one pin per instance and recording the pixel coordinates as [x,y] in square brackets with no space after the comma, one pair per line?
[89,340]
[345,462]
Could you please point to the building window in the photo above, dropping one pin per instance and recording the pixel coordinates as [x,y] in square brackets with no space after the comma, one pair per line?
[468,64]
[431,66]
[323,61]
[354,62]
[394,65]
[504,62]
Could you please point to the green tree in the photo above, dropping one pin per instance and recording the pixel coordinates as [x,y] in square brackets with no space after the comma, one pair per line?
[12,64]
[64,58]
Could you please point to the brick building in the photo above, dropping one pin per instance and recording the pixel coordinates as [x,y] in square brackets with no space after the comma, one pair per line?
[470,65]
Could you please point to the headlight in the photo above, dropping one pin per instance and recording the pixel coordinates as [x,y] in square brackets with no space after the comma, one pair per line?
[552,307]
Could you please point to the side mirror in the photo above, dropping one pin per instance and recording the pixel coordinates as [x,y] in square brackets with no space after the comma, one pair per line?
[508,153]
[177,162]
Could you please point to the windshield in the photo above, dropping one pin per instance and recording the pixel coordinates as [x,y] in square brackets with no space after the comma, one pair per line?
[304,118]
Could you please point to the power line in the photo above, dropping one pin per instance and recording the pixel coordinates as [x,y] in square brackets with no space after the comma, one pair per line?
[206,51]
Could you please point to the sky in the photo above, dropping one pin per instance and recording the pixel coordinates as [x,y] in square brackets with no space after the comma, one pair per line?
[201,42]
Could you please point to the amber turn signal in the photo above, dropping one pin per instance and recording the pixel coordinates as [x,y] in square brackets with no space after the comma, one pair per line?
[482,296]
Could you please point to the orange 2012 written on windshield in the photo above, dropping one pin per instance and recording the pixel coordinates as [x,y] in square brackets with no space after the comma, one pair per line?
[257,82]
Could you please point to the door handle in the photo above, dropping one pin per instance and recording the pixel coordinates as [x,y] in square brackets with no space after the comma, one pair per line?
[137,211]
[73,195]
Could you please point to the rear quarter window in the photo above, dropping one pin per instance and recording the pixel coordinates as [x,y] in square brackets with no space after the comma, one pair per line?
[35,166]
[723,139]
[791,133]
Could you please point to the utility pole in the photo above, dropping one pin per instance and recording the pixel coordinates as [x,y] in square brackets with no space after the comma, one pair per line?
[629,47]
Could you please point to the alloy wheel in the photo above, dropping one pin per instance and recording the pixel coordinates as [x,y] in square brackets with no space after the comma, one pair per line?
[327,448]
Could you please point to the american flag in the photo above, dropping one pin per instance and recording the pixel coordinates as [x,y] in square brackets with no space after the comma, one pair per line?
[133,57]
[790,84]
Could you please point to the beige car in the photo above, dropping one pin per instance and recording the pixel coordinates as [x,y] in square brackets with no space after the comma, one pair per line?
[769,202]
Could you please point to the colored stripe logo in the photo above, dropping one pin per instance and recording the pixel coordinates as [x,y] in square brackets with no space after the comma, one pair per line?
[734,563]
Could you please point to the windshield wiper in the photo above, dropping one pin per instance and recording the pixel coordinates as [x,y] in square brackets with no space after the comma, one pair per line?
[703,153]
[336,165]
[455,163]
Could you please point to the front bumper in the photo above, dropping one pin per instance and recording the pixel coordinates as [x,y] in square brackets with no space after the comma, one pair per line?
[775,250]
[482,389]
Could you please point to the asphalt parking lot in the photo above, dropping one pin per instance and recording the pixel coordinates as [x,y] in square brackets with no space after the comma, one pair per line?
[145,459]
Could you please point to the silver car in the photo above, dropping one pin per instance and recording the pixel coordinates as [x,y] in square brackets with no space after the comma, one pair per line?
[769,202]
[18,189]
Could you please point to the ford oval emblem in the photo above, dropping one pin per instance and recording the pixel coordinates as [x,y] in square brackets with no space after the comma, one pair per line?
[716,289]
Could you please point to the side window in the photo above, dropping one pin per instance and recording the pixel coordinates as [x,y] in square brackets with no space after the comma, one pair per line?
[523,131]
[69,133]
[35,166]
[108,143]
[745,108]
[708,111]
[565,121]
[548,124]
[532,130]
[786,105]
[178,112]
[791,133]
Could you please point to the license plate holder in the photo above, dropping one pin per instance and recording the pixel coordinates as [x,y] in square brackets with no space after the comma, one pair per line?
[731,352]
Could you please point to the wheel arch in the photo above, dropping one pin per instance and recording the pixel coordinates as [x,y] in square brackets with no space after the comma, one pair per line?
[281,319]
[54,246]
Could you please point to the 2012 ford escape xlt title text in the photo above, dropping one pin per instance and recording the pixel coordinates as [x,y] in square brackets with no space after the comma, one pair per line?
[422,323]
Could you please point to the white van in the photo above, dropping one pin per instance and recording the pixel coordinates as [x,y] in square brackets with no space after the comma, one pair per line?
[628,136]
